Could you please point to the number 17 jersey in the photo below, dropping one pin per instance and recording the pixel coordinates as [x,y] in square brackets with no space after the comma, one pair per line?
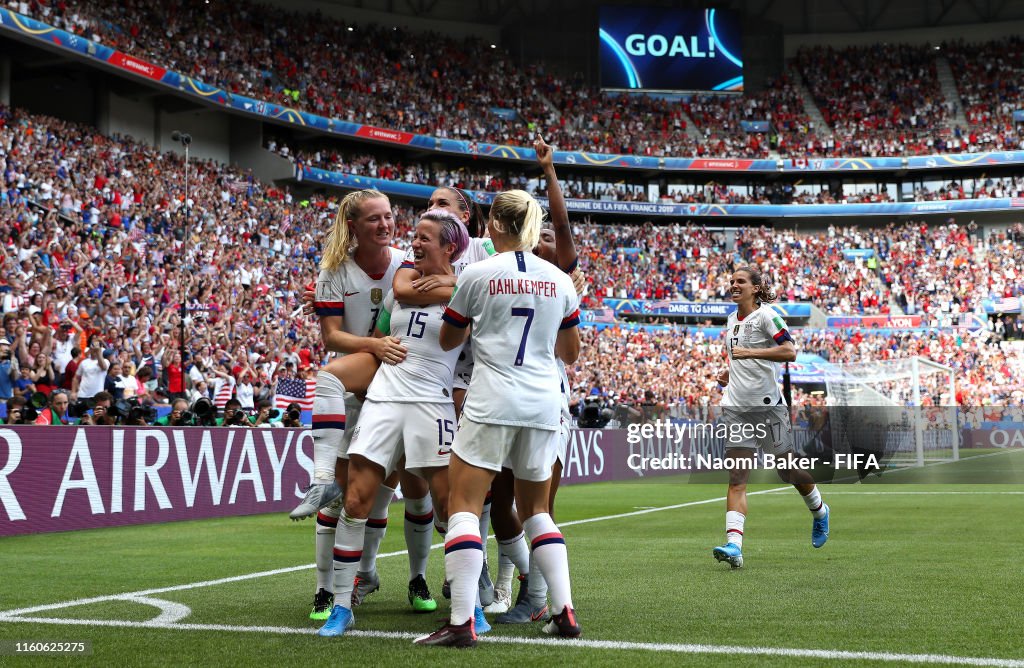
[357,297]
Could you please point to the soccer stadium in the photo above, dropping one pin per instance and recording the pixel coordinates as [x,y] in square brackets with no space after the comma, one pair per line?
[590,332]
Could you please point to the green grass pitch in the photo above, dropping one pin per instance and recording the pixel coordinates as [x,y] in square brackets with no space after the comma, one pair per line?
[920,569]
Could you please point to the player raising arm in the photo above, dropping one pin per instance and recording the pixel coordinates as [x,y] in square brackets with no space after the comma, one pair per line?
[408,414]
[523,312]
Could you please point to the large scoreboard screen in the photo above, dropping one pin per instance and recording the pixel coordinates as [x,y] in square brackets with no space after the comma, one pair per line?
[670,49]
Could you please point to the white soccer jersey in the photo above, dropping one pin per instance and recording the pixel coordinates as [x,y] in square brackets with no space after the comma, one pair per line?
[479,248]
[753,383]
[516,303]
[356,296]
[425,375]
[563,379]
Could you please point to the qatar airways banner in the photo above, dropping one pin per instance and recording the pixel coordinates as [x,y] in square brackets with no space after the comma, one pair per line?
[57,479]
[62,479]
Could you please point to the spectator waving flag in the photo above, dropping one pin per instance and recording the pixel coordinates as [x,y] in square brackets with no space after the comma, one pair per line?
[295,390]
[225,388]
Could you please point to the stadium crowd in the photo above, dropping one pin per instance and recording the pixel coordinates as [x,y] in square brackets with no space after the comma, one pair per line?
[989,79]
[96,260]
[910,268]
[880,100]
[674,370]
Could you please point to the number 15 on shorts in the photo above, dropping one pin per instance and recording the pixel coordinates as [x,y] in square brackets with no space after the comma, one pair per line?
[445,436]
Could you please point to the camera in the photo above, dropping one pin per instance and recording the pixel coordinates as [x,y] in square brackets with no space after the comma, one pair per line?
[203,414]
[237,419]
[75,410]
[130,411]
[294,414]
[594,414]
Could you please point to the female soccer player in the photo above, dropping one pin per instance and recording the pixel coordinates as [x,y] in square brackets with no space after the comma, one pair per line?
[357,370]
[357,269]
[757,341]
[557,247]
[524,312]
[408,412]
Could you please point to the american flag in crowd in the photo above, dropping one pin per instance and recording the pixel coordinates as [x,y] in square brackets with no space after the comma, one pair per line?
[63,277]
[295,390]
[136,233]
[1007,305]
[224,392]
[286,223]
[602,315]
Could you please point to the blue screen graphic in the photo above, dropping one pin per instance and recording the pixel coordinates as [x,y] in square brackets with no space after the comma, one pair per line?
[670,49]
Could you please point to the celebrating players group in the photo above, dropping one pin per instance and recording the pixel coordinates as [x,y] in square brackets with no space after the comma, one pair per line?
[448,377]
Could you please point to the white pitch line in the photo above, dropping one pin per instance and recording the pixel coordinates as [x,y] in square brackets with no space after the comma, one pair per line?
[994,492]
[827,654]
[5,614]
[171,612]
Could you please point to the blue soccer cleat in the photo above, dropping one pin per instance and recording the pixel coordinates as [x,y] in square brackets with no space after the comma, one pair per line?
[340,620]
[819,530]
[479,621]
[729,552]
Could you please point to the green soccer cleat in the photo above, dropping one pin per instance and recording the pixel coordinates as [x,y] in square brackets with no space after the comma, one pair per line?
[419,596]
[322,604]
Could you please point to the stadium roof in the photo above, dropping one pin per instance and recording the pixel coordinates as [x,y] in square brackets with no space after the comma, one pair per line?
[795,16]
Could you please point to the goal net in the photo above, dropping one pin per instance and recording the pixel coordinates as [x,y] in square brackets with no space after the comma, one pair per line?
[904,409]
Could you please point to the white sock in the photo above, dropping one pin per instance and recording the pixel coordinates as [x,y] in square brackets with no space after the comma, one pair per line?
[419,519]
[506,569]
[348,548]
[517,552]
[485,524]
[463,559]
[328,425]
[552,558]
[734,527]
[326,526]
[537,586]
[376,527]
[815,504]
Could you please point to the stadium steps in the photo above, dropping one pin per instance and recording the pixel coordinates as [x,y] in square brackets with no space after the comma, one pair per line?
[949,90]
[557,113]
[811,107]
[691,128]
[818,319]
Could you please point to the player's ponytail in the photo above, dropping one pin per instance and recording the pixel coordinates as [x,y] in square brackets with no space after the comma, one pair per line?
[517,214]
[763,293]
[339,242]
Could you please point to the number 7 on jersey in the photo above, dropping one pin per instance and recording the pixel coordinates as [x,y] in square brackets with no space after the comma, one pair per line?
[528,314]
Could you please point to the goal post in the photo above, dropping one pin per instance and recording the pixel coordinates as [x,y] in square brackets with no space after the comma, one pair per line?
[905,408]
